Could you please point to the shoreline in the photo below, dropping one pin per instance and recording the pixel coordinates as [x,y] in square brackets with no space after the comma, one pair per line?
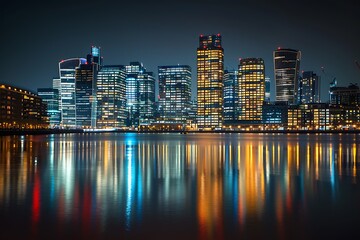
[72,131]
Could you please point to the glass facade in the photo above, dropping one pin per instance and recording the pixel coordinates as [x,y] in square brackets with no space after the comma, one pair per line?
[146,98]
[210,73]
[309,88]
[267,89]
[231,96]
[86,102]
[67,91]
[140,95]
[111,97]
[251,80]
[286,71]
[51,97]
[174,93]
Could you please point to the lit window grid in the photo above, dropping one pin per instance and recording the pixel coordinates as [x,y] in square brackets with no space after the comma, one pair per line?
[210,83]
[111,98]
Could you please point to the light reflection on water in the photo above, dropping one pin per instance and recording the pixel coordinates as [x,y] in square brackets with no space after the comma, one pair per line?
[170,185]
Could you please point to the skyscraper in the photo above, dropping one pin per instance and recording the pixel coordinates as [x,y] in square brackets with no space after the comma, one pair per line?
[146,98]
[174,93]
[210,72]
[86,103]
[231,96]
[67,90]
[251,80]
[267,89]
[111,97]
[309,88]
[132,92]
[140,94]
[286,71]
[50,97]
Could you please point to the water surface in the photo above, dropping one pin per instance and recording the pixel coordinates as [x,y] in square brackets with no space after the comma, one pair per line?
[173,186]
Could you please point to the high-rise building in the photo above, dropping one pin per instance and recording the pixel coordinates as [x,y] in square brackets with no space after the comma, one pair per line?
[174,93]
[286,71]
[67,90]
[21,109]
[267,89]
[140,95]
[111,97]
[251,80]
[86,79]
[133,70]
[50,97]
[210,73]
[231,96]
[146,98]
[94,56]
[309,88]
[345,96]
[86,96]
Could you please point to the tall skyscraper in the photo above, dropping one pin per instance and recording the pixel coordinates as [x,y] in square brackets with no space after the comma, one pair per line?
[309,88]
[231,96]
[94,56]
[132,92]
[146,98]
[267,89]
[210,73]
[251,82]
[174,93]
[286,71]
[50,97]
[67,90]
[111,97]
[140,94]
[86,103]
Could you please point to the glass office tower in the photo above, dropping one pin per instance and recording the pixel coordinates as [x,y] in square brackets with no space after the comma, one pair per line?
[309,88]
[286,71]
[231,92]
[50,97]
[210,73]
[67,90]
[111,97]
[251,80]
[174,93]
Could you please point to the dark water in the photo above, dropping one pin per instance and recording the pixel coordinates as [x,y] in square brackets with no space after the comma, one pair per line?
[173,186]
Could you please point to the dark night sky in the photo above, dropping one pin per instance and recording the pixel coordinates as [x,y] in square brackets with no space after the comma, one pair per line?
[36,36]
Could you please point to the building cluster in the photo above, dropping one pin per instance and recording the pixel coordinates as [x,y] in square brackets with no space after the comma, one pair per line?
[90,95]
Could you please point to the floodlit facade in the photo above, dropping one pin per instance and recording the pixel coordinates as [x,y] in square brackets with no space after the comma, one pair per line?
[251,81]
[174,93]
[111,97]
[21,109]
[286,71]
[210,73]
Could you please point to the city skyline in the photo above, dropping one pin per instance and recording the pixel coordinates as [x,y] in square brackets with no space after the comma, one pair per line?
[317,30]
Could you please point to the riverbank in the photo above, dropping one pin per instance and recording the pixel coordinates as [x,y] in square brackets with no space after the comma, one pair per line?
[69,131]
